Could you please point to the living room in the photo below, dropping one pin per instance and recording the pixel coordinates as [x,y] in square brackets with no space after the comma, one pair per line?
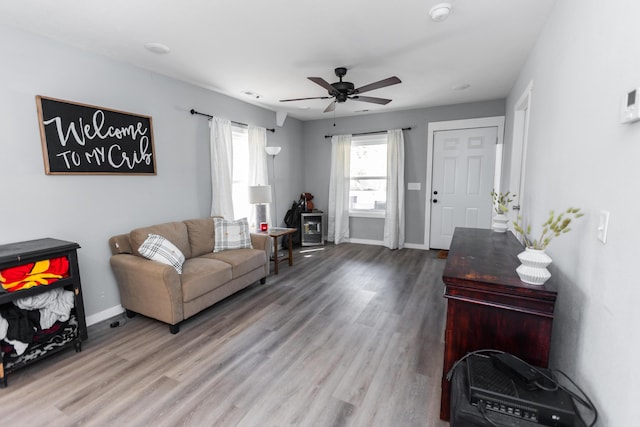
[579,155]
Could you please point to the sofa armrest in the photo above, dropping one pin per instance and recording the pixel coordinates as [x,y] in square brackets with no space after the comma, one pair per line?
[120,244]
[148,287]
[263,242]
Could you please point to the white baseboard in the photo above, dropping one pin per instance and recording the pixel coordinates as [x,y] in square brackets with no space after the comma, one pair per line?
[366,242]
[104,315]
[416,246]
[381,243]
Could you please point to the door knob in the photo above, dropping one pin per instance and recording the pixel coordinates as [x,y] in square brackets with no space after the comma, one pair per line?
[435,200]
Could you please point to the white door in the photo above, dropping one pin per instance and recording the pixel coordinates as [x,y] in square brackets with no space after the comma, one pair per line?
[463,177]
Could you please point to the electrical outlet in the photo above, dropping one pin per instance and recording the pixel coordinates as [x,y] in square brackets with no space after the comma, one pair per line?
[603,226]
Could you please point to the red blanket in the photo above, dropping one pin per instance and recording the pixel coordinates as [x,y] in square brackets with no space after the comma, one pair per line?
[34,274]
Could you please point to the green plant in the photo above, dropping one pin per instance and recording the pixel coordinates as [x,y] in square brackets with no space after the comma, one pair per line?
[552,227]
[501,201]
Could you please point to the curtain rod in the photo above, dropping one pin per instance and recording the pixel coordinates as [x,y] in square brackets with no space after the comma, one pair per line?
[235,123]
[367,133]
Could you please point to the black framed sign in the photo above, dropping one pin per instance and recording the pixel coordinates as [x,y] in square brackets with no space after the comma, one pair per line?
[85,139]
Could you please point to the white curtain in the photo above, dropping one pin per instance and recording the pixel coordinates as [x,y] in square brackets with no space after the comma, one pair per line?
[221,168]
[338,227]
[393,235]
[258,173]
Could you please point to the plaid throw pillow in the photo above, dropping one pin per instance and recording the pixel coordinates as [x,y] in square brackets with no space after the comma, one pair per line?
[231,234]
[157,248]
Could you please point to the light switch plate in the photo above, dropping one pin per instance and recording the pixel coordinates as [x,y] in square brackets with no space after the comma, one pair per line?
[603,226]
[413,186]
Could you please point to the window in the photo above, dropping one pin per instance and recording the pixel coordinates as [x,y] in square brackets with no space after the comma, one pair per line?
[240,139]
[368,189]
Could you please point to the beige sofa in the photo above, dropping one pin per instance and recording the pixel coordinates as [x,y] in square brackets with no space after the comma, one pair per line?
[156,290]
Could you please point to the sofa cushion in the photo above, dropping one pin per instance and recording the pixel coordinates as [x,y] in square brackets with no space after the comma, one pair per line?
[231,234]
[242,261]
[159,249]
[201,275]
[200,235]
[175,232]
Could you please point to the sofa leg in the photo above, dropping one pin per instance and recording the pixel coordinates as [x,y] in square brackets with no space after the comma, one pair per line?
[174,329]
[263,280]
[130,314]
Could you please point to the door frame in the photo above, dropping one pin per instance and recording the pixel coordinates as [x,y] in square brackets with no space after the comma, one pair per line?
[483,122]
[520,138]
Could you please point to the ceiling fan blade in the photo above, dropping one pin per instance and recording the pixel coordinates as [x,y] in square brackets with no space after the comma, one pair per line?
[377,85]
[322,82]
[330,107]
[382,101]
[304,99]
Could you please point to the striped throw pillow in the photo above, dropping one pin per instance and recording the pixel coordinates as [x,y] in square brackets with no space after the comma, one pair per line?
[231,234]
[159,249]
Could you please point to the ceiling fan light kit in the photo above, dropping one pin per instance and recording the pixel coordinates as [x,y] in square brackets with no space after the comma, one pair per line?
[440,12]
[341,91]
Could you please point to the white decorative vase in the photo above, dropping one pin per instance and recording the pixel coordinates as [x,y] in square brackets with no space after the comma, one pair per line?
[499,224]
[534,266]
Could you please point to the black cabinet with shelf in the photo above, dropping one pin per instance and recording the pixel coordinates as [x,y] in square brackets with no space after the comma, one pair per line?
[63,334]
[312,228]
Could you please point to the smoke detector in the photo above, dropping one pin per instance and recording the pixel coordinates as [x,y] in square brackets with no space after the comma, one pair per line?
[440,12]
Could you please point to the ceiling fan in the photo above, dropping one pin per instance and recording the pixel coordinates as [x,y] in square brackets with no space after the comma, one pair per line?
[341,91]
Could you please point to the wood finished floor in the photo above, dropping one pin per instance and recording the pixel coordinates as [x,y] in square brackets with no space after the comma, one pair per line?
[351,335]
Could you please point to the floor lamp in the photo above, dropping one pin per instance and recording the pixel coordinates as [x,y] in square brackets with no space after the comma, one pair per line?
[273,152]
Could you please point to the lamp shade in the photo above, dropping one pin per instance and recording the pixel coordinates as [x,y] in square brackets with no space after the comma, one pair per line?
[272,151]
[259,194]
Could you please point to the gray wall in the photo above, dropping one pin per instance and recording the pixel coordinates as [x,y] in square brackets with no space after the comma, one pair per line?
[317,158]
[580,155]
[90,209]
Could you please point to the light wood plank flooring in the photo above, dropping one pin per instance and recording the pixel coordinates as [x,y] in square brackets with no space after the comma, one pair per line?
[351,335]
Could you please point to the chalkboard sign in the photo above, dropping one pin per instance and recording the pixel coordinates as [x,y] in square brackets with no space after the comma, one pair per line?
[84,139]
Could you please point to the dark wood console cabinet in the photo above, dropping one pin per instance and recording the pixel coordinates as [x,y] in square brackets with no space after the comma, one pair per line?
[72,332]
[488,307]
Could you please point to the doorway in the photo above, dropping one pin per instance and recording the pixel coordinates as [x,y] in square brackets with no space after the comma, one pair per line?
[462,168]
[521,114]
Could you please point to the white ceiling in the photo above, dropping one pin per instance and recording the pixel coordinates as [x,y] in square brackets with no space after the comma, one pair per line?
[270,47]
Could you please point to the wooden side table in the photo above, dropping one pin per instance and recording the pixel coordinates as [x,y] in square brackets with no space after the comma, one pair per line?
[276,232]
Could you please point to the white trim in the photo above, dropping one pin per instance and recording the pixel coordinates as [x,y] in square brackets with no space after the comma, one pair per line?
[104,315]
[366,242]
[415,246]
[362,213]
[519,143]
[381,243]
[495,121]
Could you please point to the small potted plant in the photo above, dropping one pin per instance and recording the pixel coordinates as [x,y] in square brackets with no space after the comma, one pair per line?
[501,202]
[534,259]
